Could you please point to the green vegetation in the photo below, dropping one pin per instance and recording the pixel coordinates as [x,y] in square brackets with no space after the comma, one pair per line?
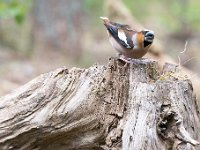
[16,9]
[94,6]
[168,13]
[172,15]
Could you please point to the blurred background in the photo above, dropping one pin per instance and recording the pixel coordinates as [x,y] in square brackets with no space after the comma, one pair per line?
[37,36]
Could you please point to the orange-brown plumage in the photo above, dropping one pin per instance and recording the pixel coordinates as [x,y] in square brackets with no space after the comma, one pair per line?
[127,41]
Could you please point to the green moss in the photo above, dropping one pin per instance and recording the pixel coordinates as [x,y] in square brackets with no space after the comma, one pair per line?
[16,9]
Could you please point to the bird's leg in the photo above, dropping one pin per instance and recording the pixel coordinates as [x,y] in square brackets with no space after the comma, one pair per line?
[119,57]
[122,58]
[127,60]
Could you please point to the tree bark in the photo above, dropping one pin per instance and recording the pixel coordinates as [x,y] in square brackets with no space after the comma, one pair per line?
[118,106]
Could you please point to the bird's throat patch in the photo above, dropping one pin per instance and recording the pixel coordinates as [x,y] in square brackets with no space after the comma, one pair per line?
[146,43]
[140,39]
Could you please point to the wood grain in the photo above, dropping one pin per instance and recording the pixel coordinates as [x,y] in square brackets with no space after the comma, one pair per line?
[117,106]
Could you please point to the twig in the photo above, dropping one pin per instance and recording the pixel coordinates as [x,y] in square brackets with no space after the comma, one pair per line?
[185,48]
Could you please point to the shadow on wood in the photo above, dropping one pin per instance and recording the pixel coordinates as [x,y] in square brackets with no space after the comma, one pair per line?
[118,106]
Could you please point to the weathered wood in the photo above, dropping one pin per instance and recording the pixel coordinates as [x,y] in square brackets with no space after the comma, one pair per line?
[118,106]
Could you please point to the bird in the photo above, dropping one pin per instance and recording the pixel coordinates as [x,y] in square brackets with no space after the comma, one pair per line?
[129,43]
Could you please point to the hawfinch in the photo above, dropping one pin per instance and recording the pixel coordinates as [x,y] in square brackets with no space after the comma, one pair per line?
[128,42]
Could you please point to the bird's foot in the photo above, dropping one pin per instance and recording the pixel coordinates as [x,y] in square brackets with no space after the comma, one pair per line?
[141,61]
[126,60]
[122,61]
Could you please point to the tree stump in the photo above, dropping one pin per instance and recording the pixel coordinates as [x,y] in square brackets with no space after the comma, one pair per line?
[118,106]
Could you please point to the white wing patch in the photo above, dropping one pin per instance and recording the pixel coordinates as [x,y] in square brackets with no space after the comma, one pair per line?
[134,39]
[122,37]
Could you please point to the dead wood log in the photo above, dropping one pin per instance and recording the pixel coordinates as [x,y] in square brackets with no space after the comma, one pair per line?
[103,107]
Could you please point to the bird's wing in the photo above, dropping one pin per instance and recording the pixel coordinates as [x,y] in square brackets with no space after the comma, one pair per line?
[122,34]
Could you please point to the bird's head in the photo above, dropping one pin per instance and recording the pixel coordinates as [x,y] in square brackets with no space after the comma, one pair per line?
[148,37]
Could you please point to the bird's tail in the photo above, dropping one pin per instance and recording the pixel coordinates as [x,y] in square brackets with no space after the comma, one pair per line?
[112,29]
[106,21]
